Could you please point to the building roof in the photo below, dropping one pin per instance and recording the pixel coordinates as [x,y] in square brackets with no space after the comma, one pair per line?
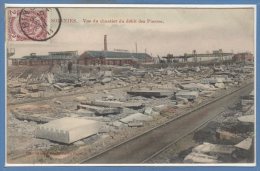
[244,53]
[44,57]
[35,57]
[119,55]
[68,53]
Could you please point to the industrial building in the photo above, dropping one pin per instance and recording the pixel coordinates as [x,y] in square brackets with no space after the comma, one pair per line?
[244,57]
[123,57]
[103,57]
[50,59]
[87,58]
[113,58]
[107,57]
[216,55]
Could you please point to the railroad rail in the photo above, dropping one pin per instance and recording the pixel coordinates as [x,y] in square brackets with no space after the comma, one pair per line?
[147,145]
[177,140]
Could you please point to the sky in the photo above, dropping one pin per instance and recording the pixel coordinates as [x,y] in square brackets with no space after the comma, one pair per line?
[174,30]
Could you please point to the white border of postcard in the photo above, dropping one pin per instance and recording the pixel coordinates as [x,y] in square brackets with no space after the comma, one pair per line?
[138,6]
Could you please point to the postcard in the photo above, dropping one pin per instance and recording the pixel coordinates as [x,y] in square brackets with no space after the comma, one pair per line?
[130,85]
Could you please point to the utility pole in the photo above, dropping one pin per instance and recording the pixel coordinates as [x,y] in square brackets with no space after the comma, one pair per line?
[77,65]
[194,55]
[135,47]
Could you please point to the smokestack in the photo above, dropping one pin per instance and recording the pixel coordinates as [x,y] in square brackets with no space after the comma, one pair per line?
[105,42]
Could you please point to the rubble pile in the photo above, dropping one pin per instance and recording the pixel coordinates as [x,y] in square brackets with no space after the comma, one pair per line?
[50,81]
[230,139]
[125,100]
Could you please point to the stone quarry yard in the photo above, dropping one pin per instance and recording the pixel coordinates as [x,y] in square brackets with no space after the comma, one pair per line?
[123,101]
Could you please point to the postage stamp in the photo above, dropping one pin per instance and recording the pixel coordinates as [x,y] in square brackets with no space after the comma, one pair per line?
[31,24]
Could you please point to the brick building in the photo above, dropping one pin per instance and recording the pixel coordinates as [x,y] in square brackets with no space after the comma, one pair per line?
[104,57]
[113,58]
[87,58]
[243,57]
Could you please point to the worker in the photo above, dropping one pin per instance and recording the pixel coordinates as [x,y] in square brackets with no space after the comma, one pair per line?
[70,66]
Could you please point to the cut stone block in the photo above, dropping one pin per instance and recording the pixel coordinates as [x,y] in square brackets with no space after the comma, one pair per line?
[247,100]
[151,93]
[194,157]
[23,91]
[252,93]
[135,124]
[80,98]
[136,117]
[247,119]
[32,117]
[208,81]
[191,95]
[68,130]
[50,78]
[106,80]
[33,88]
[159,108]
[114,104]
[100,110]
[35,95]
[220,85]
[57,86]
[85,112]
[117,123]
[245,144]
[228,136]
[190,86]
[148,111]
[108,74]
[208,148]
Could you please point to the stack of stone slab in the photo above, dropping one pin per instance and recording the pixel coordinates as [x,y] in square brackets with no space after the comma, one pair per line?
[194,157]
[214,149]
[114,104]
[98,110]
[151,93]
[247,119]
[68,130]
[136,117]
[190,95]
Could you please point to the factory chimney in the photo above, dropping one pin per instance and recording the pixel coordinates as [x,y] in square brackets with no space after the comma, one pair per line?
[105,42]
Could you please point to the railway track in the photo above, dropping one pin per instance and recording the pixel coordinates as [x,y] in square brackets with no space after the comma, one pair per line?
[144,147]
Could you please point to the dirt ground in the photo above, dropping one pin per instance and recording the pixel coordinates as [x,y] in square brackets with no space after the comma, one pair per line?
[24,147]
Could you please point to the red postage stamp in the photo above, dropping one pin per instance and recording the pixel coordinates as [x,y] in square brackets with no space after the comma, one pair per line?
[27,24]
[33,24]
